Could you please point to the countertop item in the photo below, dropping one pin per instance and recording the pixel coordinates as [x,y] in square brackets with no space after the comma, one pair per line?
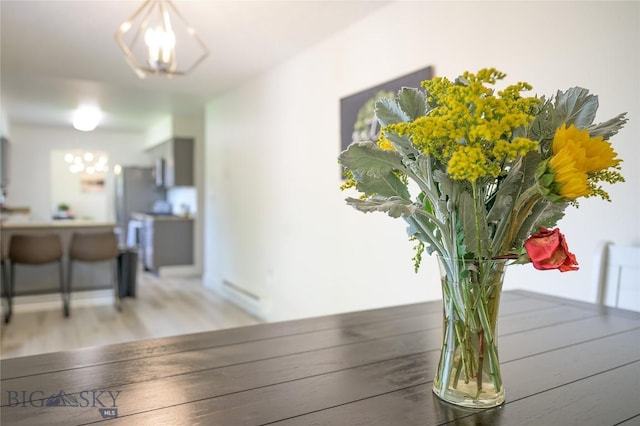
[563,362]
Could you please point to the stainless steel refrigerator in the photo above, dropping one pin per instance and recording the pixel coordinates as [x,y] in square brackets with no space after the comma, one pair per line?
[136,191]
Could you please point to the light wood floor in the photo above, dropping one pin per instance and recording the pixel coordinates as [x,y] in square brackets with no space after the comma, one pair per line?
[162,307]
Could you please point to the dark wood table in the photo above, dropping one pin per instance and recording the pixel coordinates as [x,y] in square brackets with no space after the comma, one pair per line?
[563,363]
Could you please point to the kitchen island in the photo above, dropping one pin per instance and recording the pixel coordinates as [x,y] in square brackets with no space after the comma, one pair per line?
[44,278]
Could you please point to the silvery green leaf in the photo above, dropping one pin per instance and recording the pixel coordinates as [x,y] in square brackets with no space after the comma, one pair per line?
[420,229]
[422,165]
[609,127]
[543,127]
[389,112]
[530,163]
[545,213]
[393,206]
[506,193]
[403,145]
[387,185]
[424,230]
[413,102]
[367,158]
[448,188]
[468,220]
[576,106]
[447,196]
[501,207]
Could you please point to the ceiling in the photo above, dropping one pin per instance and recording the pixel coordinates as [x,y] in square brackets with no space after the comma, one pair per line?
[56,55]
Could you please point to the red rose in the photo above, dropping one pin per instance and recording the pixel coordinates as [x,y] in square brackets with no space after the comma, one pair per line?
[548,250]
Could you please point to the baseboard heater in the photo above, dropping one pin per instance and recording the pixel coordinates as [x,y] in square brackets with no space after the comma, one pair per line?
[244,298]
[240,290]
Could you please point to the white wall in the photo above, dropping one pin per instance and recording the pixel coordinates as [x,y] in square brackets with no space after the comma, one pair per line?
[91,203]
[276,223]
[30,158]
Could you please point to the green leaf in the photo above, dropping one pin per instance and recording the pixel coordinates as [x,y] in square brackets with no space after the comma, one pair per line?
[387,185]
[545,213]
[424,230]
[575,106]
[609,127]
[471,232]
[450,191]
[446,185]
[393,206]
[546,180]
[413,102]
[366,158]
[403,145]
[508,189]
[389,112]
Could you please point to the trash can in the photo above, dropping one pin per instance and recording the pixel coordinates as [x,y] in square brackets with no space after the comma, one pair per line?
[127,271]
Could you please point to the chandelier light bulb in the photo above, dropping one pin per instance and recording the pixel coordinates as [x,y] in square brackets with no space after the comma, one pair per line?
[161,44]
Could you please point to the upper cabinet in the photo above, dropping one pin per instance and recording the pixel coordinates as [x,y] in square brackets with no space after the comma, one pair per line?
[173,162]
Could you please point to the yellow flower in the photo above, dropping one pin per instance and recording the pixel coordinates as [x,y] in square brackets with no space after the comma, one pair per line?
[385,144]
[571,180]
[510,150]
[469,127]
[598,153]
[469,163]
[578,162]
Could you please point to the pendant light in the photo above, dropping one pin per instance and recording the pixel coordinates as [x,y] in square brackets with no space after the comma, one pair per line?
[157,40]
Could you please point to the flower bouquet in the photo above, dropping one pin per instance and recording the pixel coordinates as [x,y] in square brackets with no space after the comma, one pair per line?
[481,177]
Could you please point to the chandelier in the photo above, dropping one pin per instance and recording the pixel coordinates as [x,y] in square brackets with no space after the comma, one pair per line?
[157,40]
[87,162]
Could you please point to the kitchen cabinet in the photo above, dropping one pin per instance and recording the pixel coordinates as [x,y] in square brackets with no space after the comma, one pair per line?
[4,162]
[173,162]
[165,241]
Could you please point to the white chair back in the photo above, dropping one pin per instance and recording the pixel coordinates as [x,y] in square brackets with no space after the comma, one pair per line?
[618,276]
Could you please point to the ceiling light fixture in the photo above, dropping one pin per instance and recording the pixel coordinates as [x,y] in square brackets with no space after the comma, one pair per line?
[156,40]
[87,162]
[86,118]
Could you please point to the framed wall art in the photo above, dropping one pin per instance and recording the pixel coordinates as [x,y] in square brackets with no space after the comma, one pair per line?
[357,117]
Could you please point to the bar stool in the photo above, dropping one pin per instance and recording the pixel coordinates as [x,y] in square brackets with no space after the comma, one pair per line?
[34,250]
[95,247]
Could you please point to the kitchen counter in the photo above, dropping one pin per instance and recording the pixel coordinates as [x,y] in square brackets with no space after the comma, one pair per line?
[149,216]
[34,279]
[55,224]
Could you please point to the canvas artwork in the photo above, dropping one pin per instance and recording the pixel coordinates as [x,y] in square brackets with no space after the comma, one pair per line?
[92,184]
[357,117]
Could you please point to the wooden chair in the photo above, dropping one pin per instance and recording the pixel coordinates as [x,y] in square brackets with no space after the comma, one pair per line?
[95,247]
[618,276]
[34,250]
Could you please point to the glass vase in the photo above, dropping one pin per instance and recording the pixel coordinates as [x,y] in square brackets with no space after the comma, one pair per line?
[468,372]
